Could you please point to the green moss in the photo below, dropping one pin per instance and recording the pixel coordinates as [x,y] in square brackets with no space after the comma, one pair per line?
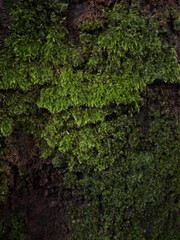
[123,58]
[83,101]
[136,196]
[116,60]
[12,229]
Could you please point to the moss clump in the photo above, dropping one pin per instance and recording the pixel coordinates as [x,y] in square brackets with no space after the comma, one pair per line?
[122,56]
[116,60]
[136,197]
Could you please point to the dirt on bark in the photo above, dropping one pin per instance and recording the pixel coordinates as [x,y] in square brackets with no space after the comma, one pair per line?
[85,10]
[167,97]
[4,22]
[36,190]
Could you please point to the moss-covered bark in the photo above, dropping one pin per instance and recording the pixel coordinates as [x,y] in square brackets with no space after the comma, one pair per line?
[87,97]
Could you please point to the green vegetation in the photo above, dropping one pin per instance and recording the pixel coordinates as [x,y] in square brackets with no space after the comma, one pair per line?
[136,196]
[12,228]
[85,103]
